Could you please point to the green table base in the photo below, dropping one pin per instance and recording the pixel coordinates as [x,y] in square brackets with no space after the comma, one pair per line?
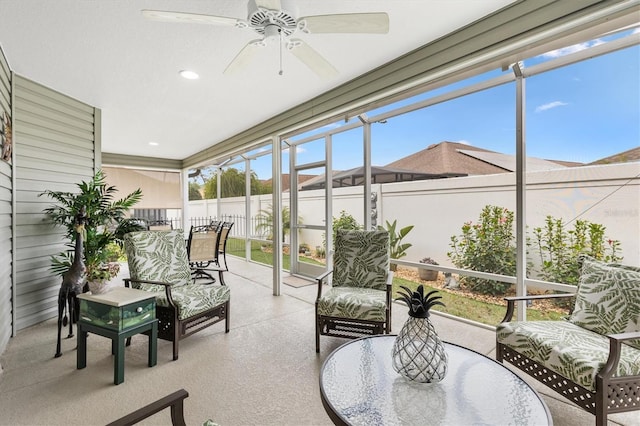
[118,344]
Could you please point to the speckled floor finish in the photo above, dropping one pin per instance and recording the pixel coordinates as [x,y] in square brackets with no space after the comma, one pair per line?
[263,372]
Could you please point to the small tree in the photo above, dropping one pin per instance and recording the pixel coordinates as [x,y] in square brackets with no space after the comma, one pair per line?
[232,184]
[265,221]
[194,191]
[486,246]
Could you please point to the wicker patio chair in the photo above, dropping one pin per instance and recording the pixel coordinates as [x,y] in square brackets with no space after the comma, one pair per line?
[158,263]
[359,300]
[593,358]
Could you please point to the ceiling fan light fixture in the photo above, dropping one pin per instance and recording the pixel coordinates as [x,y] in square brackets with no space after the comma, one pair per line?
[189,75]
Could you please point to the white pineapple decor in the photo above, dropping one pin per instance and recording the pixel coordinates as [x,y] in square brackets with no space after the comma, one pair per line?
[418,352]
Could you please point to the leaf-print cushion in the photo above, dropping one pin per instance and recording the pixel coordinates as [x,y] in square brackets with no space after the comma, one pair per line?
[356,302]
[193,299]
[608,298]
[157,256]
[162,256]
[572,351]
[361,259]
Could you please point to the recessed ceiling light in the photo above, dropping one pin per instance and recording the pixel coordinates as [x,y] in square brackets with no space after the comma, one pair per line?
[189,75]
[154,143]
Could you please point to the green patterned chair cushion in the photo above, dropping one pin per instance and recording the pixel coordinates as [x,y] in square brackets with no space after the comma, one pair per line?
[361,259]
[572,351]
[157,256]
[162,256]
[353,302]
[193,299]
[608,298]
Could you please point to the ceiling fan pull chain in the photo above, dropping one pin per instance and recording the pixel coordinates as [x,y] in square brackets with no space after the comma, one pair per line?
[280,31]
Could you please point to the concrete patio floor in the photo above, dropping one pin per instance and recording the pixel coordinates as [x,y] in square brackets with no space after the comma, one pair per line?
[263,372]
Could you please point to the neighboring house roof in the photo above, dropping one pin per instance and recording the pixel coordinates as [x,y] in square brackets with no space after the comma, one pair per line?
[508,162]
[286,180]
[355,177]
[623,157]
[445,157]
[460,159]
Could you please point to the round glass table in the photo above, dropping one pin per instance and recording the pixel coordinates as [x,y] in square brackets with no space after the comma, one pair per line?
[359,386]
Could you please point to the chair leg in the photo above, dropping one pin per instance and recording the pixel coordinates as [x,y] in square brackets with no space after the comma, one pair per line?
[221,278]
[176,335]
[175,349]
[317,334]
[226,315]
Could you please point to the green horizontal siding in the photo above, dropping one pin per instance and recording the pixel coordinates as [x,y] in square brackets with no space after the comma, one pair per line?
[6,237]
[55,149]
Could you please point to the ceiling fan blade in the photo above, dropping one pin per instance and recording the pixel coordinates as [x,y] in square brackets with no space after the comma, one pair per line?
[269,4]
[311,58]
[368,23]
[243,57]
[193,18]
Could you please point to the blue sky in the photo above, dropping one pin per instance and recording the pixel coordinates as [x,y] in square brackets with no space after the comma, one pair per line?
[581,112]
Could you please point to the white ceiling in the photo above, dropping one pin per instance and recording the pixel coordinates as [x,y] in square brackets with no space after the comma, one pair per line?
[104,53]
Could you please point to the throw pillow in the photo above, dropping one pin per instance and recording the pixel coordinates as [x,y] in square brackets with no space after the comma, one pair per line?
[608,298]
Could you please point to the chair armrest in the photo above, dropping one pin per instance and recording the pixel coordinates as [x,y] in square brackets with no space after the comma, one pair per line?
[624,336]
[511,302]
[615,350]
[167,288]
[320,279]
[174,400]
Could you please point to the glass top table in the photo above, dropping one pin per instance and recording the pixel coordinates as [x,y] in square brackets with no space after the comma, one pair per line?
[359,386]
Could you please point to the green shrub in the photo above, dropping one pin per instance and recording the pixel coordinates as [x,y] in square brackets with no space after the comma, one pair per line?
[558,248]
[397,248]
[486,246]
[344,221]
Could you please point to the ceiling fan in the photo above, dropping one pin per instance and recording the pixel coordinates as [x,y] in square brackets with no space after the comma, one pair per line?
[273,24]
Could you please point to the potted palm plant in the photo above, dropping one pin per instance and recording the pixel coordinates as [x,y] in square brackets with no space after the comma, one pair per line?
[106,223]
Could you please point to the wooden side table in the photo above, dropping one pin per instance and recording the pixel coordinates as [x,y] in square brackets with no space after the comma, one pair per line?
[117,314]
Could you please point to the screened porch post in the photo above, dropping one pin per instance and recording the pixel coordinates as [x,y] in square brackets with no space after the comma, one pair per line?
[521,204]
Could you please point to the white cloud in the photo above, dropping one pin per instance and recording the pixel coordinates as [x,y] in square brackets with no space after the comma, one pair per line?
[572,49]
[464,142]
[299,150]
[550,105]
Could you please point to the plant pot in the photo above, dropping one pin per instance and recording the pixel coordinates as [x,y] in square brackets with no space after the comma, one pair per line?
[427,274]
[99,286]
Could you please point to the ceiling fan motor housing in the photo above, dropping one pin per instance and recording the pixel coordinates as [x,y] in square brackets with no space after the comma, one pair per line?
[261,19]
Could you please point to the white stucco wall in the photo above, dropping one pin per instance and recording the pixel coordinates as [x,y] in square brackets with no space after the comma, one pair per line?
[608,195]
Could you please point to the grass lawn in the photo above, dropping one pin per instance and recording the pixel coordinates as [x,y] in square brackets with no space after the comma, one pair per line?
[236,247]
[476,310]
[456,304]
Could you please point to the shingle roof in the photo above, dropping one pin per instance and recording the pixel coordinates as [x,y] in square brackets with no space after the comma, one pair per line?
[623,157]
[457,158]
[445,157]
